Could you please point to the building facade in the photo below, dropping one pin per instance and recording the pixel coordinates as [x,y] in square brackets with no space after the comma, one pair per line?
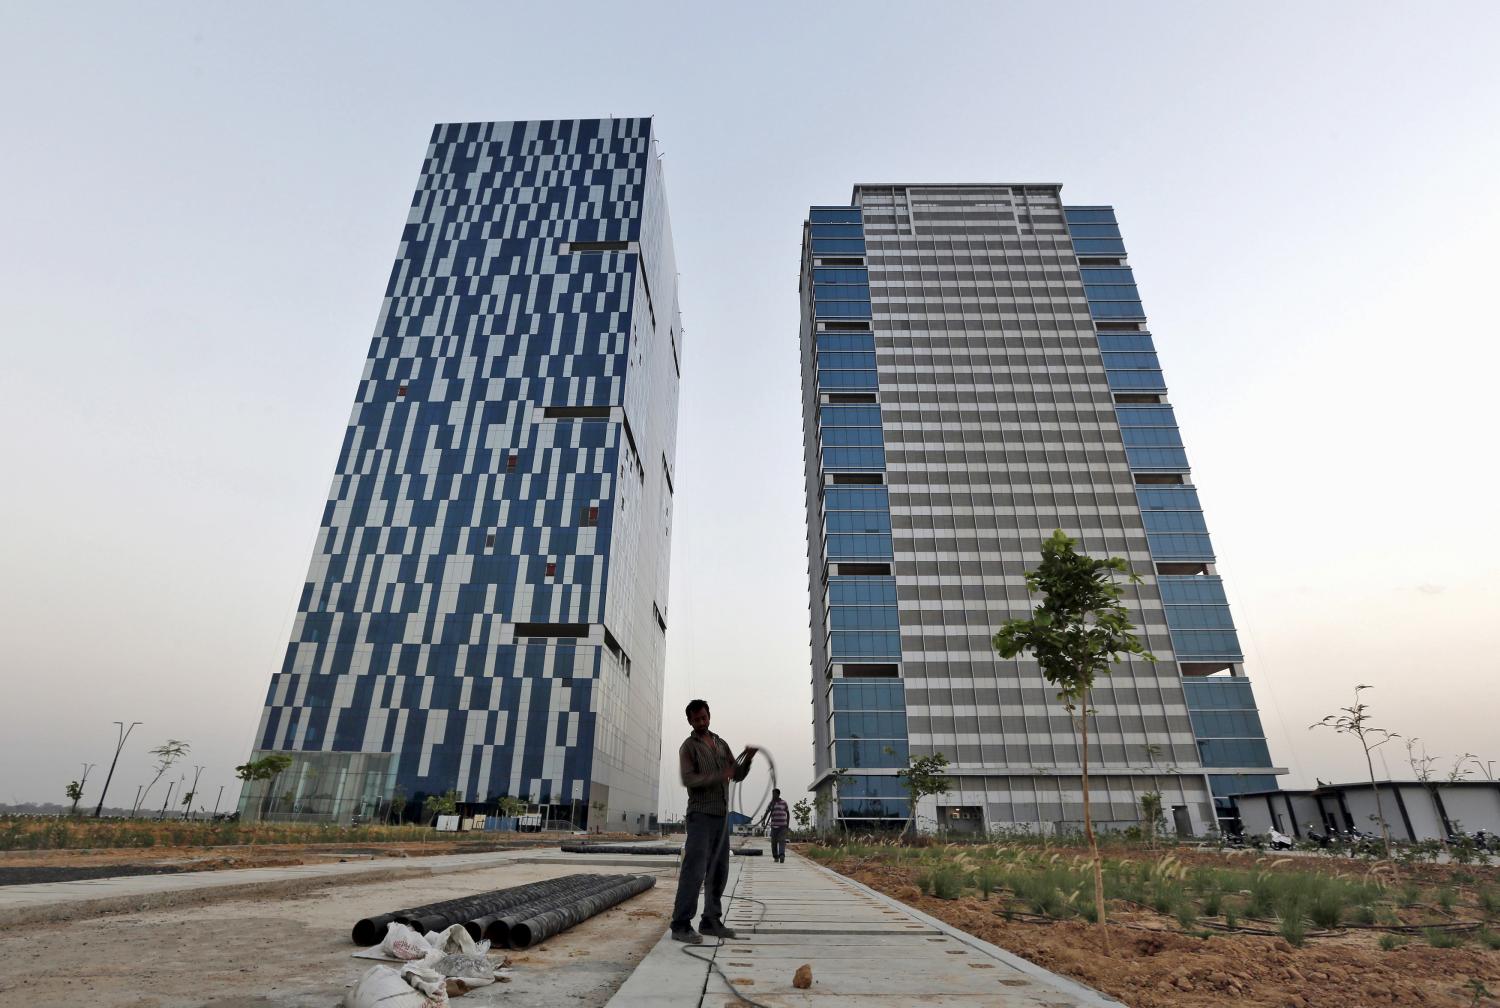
[977,372]
[486,607]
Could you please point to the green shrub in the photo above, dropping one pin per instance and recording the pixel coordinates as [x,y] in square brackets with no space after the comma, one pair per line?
[1489,903]
[1489,939]
[1446,898]
[1212,903]
[1187,914]
[1231,919]
[1327,909]
[987,880]
[1293,929]
[1363,915]
[1390,942]
[1438,938]
[945,882]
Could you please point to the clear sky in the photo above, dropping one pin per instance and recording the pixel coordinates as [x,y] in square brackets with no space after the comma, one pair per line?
[203,202]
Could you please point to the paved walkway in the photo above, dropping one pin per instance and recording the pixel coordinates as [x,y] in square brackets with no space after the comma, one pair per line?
[864,948]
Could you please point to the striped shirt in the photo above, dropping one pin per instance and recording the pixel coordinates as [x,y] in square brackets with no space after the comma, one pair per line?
[777,814]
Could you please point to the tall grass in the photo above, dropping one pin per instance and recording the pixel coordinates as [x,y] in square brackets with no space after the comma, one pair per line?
[74,834]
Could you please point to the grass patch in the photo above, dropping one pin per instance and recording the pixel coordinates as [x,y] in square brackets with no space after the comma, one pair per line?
[1391,942]
[1438,938]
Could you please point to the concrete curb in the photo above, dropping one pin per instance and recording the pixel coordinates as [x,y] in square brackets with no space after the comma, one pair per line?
[1086,997]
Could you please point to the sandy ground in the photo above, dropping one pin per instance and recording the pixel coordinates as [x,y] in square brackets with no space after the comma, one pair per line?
[1147,966]
[296,951]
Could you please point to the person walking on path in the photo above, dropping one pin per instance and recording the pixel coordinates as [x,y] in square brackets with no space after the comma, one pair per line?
[707,766]
[778,817]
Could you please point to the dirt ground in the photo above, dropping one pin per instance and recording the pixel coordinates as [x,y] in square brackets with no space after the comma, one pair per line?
[281,952]
[1149,967]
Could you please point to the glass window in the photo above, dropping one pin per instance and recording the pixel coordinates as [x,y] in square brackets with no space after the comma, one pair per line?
[1113,275]
[841,275]
[872,808]
[1224,785]
[868,696]
[1167,498]
[1199,617]
[870,786]
[1112,292]
[1234,753]
[1180,546]
[1151,437]
[1146,416]
[841,309]
[1126,341]
[1191,645]
[833,342]
[1116,309]
[1219,694]
[1174,459]
[1129,381]
[854,230]
[854,380]
[853,458]
[858,546]
[838,246]
[1082,230]
[847,498]
[1197,588]
[850,416]
[848,644]
[870,725]
[1098,246]
[863,618]
[1089,215]
[846,361]
[1174,521]
[875,521]
[833,215]
[870,754]
[861,292]
[1117,361]
[855,436]
[856,591]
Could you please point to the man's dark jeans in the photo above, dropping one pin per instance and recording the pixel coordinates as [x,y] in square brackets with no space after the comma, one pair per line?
[778,842]
[705,866]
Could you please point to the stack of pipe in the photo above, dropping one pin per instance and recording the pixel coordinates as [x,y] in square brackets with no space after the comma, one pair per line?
[482,913]
[520,929]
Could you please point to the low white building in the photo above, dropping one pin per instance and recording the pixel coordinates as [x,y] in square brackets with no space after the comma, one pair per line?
[1414,810]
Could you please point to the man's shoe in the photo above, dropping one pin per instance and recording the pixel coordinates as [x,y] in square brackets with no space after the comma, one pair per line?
[715,929]
[687,936]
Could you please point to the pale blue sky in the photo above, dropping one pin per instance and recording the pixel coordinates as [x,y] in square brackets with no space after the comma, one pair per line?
[204,201]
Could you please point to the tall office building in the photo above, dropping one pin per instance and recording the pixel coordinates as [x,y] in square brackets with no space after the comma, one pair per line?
[486,607]
[977,371]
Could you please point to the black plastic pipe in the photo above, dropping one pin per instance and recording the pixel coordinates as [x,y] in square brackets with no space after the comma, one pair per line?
[467,910]
[371,930]
[528,931]
[498,931]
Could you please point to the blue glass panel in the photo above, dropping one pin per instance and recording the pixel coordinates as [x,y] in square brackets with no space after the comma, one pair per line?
[1138,381]
[1111,292]
[861,292]
[872,808]
[1174,521]
[850,416]
[1098,246]
[1234,753]
[869,437]
[1180,546]
[840,274]
[858,644]
[846,361]
[854,458]
[870,725]
[1126,341]
[858,546]
[1219,693]
[846,498]
[854,380]
[1174,459]
[1183,498]
[870,754]
[831,342]
[1191,645]
[1081,230]
[863,618]
[838,246]
[850,695]
[1197,588]
[1151,437]
[1117,361]
[834,215]
[862,590]
[842,309]
[838,231]
[1107,275]
[1224,785]
[870,786]
[1146,416]
[1199,617]
[1227,724]
[1089,215]
[864,521]
[1116,310]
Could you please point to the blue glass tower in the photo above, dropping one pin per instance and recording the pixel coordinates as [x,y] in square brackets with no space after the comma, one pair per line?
[485,611]
[976,373]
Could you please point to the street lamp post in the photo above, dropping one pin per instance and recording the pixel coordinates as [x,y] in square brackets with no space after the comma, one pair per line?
[124,734]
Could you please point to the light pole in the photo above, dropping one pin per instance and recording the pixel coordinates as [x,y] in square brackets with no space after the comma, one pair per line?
[193,794]
[124,734]
[217,800]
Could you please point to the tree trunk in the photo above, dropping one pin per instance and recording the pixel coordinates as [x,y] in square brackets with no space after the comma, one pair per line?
[1385,831]
[1088,829]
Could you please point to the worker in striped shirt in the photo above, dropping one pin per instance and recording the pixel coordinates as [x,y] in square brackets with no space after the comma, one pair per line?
[778,817]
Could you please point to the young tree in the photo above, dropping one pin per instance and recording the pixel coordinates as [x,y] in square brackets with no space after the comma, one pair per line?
[1152,818]
[187,800]
[166,754]
[923,776]
[1355,720]
[1076,634]
[74,790]
[440,805]
[267,768]
[802,811]
[398,805]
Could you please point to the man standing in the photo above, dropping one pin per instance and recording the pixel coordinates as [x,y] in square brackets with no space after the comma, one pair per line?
[707,767]
[778,817]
